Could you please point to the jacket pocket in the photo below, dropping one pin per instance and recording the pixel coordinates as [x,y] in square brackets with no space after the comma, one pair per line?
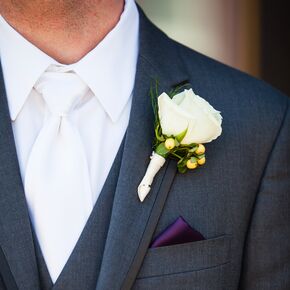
[187,257]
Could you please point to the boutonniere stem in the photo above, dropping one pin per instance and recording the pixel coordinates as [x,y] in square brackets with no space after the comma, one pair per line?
[154,166]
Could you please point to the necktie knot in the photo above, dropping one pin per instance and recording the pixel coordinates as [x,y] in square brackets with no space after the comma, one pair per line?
[61,91]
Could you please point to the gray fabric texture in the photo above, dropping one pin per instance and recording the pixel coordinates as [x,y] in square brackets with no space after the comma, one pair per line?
[2,284]
[15,231]
[44,277]
[81,270]
[239,200]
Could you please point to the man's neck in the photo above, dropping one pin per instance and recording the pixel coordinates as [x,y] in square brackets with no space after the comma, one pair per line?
[67,29]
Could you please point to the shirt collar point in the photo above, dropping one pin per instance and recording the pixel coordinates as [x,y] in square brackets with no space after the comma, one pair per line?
[114,114]
[14,114]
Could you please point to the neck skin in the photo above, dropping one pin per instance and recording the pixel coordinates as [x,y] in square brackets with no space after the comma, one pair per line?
[66,30]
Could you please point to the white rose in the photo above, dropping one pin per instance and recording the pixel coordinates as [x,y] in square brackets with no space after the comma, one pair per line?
[189,111]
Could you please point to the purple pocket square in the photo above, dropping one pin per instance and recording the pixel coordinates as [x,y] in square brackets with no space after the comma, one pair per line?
[177,233]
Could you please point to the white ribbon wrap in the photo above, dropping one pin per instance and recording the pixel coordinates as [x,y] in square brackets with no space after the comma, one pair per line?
[154,166]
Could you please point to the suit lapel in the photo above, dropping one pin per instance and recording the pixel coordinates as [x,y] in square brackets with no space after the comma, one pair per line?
[15,230]
[132,222]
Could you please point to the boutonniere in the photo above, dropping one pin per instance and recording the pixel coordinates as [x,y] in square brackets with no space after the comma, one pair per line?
[183,123]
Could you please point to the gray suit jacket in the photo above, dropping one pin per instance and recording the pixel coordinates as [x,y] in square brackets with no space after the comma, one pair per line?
[240,200]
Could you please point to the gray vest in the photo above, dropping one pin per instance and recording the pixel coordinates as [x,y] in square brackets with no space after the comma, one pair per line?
[82,269]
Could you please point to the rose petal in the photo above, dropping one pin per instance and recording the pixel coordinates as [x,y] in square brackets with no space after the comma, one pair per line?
[173,119]
[208,120]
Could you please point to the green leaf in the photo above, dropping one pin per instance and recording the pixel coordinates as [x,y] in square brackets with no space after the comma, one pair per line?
[181,136]
[176,143]
[154,95]
[200,156]
[161,150]
[158,133]
[193,149]
[178,89]
[193,159]
[181,150]
[182,169]
[182,162]
[181,165]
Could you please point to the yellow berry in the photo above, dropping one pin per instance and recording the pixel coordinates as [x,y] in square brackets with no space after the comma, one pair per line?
[200,150]
[169,143]
[190,164]
[201,161]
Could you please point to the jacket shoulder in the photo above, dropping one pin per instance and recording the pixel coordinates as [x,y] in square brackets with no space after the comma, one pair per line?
[231,80]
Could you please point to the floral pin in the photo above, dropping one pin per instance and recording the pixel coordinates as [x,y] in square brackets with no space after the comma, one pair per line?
[183,123]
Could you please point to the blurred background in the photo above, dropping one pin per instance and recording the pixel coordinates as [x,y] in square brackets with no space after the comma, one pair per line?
[251,35]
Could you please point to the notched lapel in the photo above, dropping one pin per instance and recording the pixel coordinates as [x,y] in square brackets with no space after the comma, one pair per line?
[15,231]
[133,223]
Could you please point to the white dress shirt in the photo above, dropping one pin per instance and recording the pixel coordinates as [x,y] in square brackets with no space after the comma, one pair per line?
[103,115]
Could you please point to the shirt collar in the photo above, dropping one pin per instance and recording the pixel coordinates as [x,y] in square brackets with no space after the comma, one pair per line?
[109,69]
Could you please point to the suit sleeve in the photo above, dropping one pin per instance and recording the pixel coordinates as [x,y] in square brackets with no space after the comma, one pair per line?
[266,261]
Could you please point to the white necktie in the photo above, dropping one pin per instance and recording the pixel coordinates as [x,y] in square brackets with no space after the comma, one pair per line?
[57,183]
